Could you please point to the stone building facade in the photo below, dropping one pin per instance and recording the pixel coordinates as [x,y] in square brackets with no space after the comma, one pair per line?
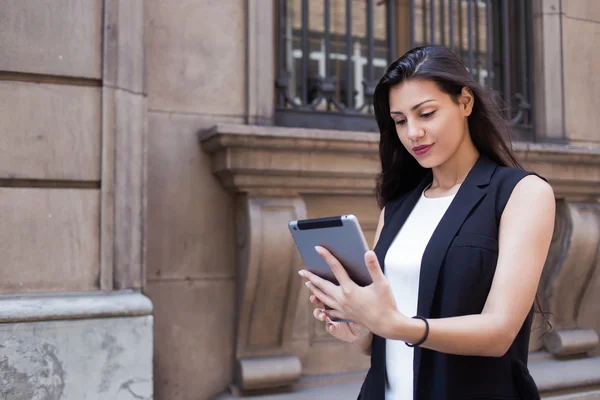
[145,190]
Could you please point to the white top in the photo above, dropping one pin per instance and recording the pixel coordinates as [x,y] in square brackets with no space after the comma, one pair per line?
[402,268]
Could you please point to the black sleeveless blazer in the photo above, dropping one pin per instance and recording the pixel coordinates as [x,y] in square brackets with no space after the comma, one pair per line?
[456,275]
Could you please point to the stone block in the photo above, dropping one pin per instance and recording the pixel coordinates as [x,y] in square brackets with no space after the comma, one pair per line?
[95,359]
[49,239]
[196,56]
[50,131]
[548,70]
[546,7]
[569,375]
[582,9]
[581,59]
[194,342]
[190,218]
[59,37]
[124,47]
[123,169]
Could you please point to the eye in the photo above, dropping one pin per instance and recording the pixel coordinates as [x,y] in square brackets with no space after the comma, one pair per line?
[401,122]
[428,115]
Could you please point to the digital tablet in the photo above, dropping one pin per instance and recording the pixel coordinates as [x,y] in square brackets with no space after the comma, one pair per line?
[342,236]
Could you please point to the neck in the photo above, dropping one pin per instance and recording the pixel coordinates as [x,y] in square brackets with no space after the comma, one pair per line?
[454,171]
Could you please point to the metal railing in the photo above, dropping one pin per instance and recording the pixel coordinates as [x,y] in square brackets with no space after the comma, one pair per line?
[327,73]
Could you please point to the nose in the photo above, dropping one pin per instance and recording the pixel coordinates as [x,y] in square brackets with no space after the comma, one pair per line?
[415,131]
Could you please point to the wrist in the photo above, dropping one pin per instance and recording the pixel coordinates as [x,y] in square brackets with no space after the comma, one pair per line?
[394,326]
[405,329]
[417,331]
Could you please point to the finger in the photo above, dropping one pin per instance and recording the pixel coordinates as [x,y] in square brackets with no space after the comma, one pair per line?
[323,285]
[356,326]
[336,267]
[331,327]
[313,299]
[336,314]
[321,296]
[373,267]
[319,314]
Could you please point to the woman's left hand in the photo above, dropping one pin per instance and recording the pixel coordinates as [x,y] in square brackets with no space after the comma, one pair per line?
[373,306]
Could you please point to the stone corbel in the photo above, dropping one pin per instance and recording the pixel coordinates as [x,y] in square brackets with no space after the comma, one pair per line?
[267,291]
[269,169]
[570,289]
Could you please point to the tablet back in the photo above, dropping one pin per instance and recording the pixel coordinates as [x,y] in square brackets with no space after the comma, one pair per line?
[342,236]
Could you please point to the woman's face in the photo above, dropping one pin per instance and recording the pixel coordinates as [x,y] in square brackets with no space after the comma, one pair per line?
[430,124]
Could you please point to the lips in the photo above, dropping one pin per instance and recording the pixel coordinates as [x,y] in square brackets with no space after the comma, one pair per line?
[420,150]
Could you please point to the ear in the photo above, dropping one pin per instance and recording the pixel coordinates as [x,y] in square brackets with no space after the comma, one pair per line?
[466,101]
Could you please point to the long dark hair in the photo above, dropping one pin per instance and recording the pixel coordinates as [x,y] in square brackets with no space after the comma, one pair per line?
[490,132]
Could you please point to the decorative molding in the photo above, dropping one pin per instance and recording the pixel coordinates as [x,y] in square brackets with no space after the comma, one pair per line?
[573,171]
[571,342]
[572,263]
[554,375]
[75,305]
[292,161]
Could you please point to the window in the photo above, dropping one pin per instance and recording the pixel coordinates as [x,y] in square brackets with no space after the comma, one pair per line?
[331,54]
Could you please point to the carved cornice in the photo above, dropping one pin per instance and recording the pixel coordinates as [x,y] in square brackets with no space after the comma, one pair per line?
[572,170]
[290,161]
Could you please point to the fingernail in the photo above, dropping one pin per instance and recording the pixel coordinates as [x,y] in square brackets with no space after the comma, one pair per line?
[307,284]
[318,249]
[301,273]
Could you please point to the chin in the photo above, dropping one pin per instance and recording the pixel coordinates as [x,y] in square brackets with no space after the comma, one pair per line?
[428,162]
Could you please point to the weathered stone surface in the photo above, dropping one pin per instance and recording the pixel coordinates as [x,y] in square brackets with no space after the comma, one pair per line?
[582,9]
[109,358]
[49,239]
[545,7]
[73,305]
[581,60]
[124,49]
[261,62]
[50,131]
[123,168]
[554,375]
[59,37]
[190,217]
[548,70]
[571,342]
[287,161]
[194,337]
[196,56]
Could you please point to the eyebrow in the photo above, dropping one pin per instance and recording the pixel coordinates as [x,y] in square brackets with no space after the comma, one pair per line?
[413,107]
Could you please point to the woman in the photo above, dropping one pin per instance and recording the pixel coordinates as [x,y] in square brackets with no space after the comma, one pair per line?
[460,246]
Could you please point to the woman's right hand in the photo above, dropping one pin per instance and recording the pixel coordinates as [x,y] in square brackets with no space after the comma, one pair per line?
[350,332]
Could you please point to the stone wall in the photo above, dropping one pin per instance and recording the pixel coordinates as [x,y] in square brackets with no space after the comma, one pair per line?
[72,105]
[196,78]
[105,188]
